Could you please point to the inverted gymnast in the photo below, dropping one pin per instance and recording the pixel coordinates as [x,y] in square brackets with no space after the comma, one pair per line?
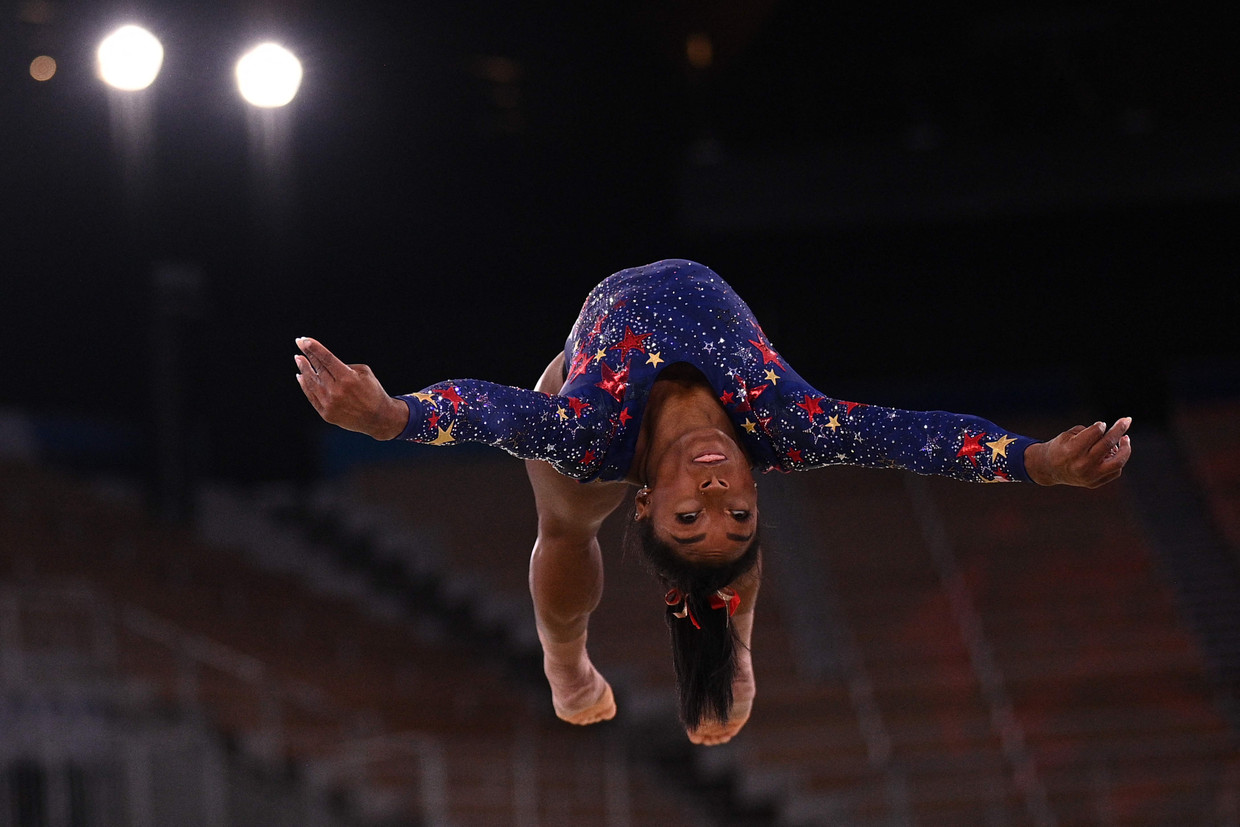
[668,383]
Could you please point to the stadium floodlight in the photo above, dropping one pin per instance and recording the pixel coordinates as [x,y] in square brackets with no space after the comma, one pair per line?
[268,75]
[130,58]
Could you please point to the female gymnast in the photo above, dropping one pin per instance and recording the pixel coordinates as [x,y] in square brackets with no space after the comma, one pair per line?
[668,383]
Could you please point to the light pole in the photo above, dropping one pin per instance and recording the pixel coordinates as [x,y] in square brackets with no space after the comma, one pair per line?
[128,60]
[268,78]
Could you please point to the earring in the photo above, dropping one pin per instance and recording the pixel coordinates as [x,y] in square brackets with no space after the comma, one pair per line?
[644,491]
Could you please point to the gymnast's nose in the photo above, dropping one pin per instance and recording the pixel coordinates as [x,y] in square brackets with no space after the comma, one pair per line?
[713,482]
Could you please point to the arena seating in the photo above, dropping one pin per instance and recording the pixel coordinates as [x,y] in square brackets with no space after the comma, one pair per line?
[1038,673]
[1209,433]
[313,680]
[927,651]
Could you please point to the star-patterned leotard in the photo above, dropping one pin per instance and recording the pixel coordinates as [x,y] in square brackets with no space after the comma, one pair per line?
[639,321]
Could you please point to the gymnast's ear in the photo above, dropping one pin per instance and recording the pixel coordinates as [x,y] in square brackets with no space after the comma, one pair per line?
[641,503]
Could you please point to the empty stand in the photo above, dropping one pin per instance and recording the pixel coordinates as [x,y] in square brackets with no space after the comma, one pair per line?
[410,728]
[1021,660]
[927,651]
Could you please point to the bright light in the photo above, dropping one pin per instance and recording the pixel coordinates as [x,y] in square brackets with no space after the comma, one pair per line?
[42,68]
[268,75]
[130,58]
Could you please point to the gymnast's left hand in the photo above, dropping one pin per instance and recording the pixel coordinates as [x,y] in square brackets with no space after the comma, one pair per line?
[348,395]
[1087,457]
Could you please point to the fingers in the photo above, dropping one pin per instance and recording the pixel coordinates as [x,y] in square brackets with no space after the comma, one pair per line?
[304,368]
[1118,430]
[1109,453]
[313,372]
[1097,437]
[1086,438]
[310,387]
[320,359]
[1118,456]
[1108,443]
[1085,456]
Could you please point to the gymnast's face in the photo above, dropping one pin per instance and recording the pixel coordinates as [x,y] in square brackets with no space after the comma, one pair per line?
[702,498]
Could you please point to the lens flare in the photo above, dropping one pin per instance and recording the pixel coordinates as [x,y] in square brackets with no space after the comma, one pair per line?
[42,68]
[130,58]
[268,75]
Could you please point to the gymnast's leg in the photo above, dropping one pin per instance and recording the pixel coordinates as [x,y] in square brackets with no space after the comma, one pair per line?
[566,579]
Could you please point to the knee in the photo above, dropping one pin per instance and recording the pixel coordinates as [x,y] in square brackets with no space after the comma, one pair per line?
[559,536]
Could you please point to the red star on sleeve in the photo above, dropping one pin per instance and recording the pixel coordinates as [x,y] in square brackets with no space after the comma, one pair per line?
[580,360]
[850,405]
[795,456]
[972,447]
[726,398]
[449,393]
[614,382]
[631,341]
[578,405]
[811,406]
[768,355]
[588,457]
[625,416]
[744,405]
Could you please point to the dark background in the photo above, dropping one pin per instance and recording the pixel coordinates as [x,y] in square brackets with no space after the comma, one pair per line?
[984,207]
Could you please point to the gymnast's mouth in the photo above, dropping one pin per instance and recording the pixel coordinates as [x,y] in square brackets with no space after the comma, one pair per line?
[709,458]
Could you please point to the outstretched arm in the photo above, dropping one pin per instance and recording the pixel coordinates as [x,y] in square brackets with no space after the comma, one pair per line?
[567,432]
[1087,457]
[347,395]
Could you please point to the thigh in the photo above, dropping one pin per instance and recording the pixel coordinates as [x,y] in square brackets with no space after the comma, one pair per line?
[567,507]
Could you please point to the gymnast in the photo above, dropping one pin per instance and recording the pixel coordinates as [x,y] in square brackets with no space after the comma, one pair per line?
[668,383]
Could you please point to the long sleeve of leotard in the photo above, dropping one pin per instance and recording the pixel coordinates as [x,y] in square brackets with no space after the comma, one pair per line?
[639,321]
[811,430]
[570,432]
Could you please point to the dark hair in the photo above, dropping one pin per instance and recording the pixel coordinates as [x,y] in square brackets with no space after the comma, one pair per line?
[704,658]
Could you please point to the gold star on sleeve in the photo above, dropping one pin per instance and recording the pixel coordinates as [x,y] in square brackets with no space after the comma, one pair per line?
[772,376]
[833,422]
[654,359]
[598,356]
[561,413]
[425,397]
[444,436]
[999,447]
[749,425]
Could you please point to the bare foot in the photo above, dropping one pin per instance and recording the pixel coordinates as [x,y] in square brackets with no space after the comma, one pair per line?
[579,693]
[711,733]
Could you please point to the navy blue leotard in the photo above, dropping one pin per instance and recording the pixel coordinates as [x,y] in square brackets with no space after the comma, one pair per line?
[639,321]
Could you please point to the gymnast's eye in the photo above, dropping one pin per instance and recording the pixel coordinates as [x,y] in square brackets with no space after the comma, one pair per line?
[740,516]
[687,518]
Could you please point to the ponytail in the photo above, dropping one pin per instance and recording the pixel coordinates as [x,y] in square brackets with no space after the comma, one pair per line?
[699,622]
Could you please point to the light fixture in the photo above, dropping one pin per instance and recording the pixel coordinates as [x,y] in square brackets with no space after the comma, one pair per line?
[268,75]
[130,58]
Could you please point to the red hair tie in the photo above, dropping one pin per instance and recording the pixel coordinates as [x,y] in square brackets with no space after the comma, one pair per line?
[724,598]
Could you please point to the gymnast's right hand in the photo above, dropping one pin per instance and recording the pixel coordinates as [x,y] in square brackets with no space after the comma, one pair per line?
[348,395]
